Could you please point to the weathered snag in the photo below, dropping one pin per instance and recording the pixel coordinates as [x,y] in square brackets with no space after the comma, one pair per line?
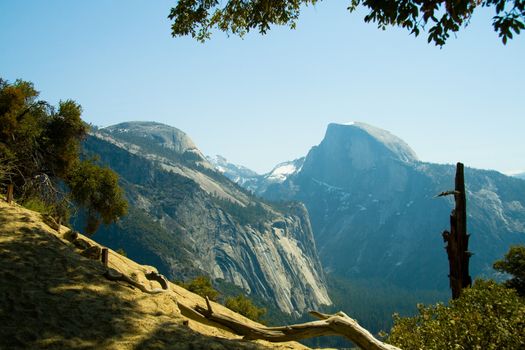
[338,324]
[457,238]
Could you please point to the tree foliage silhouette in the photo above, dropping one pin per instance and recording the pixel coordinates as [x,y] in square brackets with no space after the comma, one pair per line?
[439,18]
[513,263]
[40,149]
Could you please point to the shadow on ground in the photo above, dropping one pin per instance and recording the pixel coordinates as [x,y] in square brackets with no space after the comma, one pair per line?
[171,336]
[51,297]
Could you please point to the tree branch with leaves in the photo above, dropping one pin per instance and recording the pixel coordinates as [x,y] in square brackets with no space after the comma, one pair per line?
[439,18]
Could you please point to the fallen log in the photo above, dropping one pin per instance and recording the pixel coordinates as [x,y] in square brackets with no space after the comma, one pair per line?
[338,324]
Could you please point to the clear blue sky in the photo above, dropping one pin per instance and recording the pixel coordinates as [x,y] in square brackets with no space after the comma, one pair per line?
[268,99]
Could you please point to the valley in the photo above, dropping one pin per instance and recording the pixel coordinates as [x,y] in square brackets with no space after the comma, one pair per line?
[189,220]
[375,220]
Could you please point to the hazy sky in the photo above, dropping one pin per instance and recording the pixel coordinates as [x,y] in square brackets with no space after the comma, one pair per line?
[268,99]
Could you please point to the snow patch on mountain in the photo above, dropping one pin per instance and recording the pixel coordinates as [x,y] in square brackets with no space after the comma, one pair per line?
[230,169]
[239,174]
[283,171]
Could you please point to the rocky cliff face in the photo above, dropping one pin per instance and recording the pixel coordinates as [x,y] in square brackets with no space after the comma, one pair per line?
[188,219]
[374,213]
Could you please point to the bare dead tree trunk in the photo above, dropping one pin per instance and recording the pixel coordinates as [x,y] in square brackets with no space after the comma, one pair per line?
[338,324]
[457,238]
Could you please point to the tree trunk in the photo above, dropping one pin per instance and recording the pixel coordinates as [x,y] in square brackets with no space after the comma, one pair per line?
[329,325]
[457,238]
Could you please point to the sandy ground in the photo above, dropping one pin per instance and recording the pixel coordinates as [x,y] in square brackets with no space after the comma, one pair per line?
[52,297]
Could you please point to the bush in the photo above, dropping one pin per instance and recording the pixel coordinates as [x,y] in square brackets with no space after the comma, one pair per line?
[96,189]
[57,208]
[244,306]
[202,286]
[38,205]
[514,264]
[43,144]
[486,316]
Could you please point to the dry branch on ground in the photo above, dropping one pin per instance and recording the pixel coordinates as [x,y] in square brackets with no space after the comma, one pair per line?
[338,324]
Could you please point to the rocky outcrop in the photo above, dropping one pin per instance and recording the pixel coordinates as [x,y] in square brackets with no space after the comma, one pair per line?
[188,219]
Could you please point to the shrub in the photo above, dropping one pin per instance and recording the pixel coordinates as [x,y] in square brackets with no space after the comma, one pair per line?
[202,286]
[513,263]
[96,189]
[245,307]
[38,205]
[486,316]
[43,144]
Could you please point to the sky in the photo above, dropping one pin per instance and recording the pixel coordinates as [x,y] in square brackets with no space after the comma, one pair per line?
[263,100]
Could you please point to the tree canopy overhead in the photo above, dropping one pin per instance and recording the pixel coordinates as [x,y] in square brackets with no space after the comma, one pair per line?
[439,18]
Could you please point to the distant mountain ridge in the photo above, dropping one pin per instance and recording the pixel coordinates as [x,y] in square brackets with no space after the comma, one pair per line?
[251,180]
[374,213]
[239,174]
[370,200]
[519,176]
[188,219]
[163,135]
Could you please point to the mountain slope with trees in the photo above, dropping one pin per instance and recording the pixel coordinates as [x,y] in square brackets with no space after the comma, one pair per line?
[189,220]
[374,213]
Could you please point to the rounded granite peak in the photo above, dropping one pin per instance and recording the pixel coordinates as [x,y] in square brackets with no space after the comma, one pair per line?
[393,143]
[165,135]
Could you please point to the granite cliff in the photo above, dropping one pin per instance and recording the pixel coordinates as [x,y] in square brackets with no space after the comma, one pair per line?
[375,216]
[188,219]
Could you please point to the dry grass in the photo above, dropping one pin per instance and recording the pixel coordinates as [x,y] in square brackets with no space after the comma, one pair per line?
[52,297]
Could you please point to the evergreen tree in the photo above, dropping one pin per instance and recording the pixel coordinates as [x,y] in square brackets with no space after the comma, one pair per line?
[96,189]
[244,306]
[202,286]
[514,264]
[40,154]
